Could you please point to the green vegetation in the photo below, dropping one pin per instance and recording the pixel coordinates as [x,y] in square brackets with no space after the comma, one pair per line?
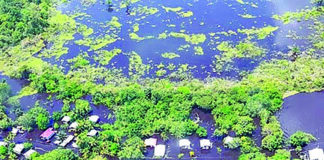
[281,154]
[186,14]
[98,43]
[4,91]
[245,49]
[88,2]
[168,9]
[201,132]
[300,139]
[261,33]
[199,50]
[144,106]
[304,14]
[5,121]
[240,1]
[36,115]
[22,19]
[143,11]
[105,56]
[193,39]
[61,29]
[58,154]
[114,23]
[170,55]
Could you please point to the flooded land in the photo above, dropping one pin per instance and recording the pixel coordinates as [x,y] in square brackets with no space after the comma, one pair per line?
[171,79]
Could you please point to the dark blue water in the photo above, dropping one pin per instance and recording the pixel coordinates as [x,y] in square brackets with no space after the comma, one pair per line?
[217,16]
[304,112]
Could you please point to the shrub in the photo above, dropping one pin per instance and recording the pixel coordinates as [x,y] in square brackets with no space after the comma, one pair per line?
[301,139]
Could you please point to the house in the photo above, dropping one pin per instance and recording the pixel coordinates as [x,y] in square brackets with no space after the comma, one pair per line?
[67,141]
[3,143]
[20,129]
[73,125]
[18,148]
[14,131]
[316,154]
[205,144]
[48,134]
[92,133]
[227,140]
[150,142]
[159,150]
[184,144]
[66,119]
[94,118]
[29,153]
[74,145]
[57,142]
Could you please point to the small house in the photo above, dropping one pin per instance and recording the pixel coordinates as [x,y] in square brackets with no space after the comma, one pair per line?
[150,142]
[205,144]
[159,150]
[184,143]
[94,118]
[57,142]
[20,129]
[29,153]
[48,134]
[66,119]
[18,148]
[74,145]
[73,125]
[14,131]
[3,143]
[92,133]
[228,140]
[67,141]
[316,154]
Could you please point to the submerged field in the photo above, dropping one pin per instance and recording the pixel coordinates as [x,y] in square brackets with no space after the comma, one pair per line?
[164,69]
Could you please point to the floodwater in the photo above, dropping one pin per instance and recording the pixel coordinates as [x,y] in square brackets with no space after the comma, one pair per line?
[52,105]
[300,112]
[218,151]
[208,17]
[304,112]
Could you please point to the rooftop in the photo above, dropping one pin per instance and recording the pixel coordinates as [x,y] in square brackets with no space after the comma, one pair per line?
[28,154]
[73,125]
[48,134]
[151,142]
[92,133]
[66,119]
[94,118]
[159,150]
[18,148]
[228,139]
[14,130]
[205,144]
[3,143]
[316,154]
[184,143]
[67,140]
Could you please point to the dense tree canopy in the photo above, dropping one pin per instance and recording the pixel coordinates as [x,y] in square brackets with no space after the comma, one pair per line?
[58,154]
[21,19]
